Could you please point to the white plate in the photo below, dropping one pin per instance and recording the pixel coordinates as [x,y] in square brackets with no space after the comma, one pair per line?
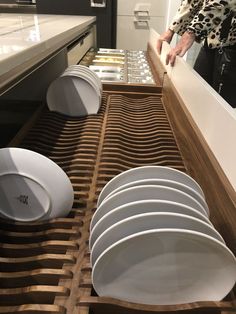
[141,207]
[173,184]
[90,72]
[149,221]
[72,96]
[165,267]
[82,73]
[145,192]
[32,187]
[148,172]
[93,74]
[86,77]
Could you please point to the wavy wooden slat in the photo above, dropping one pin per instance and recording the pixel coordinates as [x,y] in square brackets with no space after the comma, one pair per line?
[69,143]
[32,249]
[32,294]
[148,142]
[66,123]
[40,225]
[141,132]
[157,118]
[86,267]
[138,137]
[111,170]
[40,236]
[67,157]
[139,116]
[161,142]
[123,148]
[68,137]
[33,262]
[120,166]
[42,276]
[121,153]
[86,283]
[115,306]
[33,309]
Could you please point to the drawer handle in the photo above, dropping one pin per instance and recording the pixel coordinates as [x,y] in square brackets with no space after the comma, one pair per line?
[98,3]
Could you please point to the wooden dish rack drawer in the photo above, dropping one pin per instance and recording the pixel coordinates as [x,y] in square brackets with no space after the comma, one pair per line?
[44,266]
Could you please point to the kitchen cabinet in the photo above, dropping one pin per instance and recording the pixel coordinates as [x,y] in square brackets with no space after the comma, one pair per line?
[135,19]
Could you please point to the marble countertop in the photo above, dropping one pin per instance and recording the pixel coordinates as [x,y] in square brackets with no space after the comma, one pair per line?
[29,38]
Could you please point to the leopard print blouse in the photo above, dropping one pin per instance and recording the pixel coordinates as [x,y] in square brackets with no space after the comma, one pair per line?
[205,18]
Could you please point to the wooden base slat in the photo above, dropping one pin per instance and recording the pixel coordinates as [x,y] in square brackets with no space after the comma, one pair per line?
[37,276]
[32,294]
[34,262]
[33,309]
[115,306]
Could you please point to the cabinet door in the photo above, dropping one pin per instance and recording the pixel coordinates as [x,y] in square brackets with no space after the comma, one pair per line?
[133,35]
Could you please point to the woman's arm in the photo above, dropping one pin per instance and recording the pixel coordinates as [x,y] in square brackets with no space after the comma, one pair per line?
[212,13]
[183,17]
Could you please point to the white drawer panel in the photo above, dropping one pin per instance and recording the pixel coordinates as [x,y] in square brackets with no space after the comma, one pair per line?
[157,8]
[134,36]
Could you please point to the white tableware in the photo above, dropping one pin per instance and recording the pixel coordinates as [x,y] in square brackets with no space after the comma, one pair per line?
[72,96]
[145,192]
[149,221]
[168,183]
[165,267]
[86,77]
[89,72]
[84,71]
[148,172]
[141,207]
[32,187]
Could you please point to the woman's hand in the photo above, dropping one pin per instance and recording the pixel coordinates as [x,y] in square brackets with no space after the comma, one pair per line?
[181,48]
[167,36]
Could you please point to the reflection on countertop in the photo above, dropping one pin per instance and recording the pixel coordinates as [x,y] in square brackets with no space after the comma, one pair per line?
[23,36]
[28,40]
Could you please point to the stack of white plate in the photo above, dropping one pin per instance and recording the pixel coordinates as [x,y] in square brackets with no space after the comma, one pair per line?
[152,242]
[77,92]
[32,187]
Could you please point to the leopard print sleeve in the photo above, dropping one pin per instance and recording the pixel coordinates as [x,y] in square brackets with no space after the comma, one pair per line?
[185,14]
[210,16]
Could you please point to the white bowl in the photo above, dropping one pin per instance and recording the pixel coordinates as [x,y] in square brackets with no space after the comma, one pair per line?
[32,187]
[148,172]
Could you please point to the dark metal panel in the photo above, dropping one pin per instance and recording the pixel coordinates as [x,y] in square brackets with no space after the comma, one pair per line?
[106,17]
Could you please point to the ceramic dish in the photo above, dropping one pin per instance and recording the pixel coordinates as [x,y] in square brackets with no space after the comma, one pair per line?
[88,71]
[141,207]
[149,221]
[32,187]
[86,77]
[169,183]
[72,96]
[148,172]
[165,267]
[145,192]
